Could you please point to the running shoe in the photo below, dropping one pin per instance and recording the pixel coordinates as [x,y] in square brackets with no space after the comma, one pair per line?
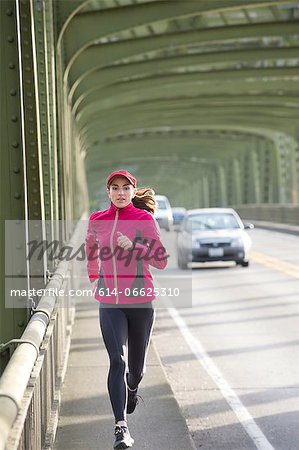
[132,400]
[123,438]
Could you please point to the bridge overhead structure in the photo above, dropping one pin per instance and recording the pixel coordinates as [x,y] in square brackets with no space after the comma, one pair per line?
[197,98]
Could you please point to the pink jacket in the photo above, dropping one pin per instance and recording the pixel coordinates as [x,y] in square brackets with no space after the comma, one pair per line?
[124,277]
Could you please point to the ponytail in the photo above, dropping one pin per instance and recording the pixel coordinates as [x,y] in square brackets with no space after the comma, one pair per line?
[145,199]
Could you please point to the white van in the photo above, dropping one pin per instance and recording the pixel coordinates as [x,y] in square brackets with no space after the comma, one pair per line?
[164,213]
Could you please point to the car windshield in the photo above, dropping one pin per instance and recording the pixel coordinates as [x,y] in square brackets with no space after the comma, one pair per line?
[212,221]
[162,204]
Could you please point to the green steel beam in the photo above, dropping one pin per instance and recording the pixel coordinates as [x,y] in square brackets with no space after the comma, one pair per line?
[107,53]
[117,73]
[93,25]
[52,112]
[30,72]
[261,80]
[12,320]
[251,117]
[274,106]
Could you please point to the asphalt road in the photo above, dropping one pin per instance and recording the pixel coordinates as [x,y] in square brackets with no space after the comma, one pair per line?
[232,359]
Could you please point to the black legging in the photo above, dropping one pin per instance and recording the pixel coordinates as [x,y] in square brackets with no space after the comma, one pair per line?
[122,326]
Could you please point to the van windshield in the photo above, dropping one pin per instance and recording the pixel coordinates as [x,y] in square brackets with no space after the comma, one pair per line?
[162,204]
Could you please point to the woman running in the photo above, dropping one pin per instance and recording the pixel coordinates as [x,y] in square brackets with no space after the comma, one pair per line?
[121,243]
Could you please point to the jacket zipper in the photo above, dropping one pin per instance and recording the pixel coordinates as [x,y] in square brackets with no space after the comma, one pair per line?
[113,255]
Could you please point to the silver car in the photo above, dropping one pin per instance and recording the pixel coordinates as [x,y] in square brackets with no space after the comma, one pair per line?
[213,234]
[164,213]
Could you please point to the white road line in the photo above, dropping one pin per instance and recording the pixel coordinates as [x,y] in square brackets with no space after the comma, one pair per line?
[244,417]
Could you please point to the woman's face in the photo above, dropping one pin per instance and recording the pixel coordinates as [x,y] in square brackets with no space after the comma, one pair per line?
[121,192]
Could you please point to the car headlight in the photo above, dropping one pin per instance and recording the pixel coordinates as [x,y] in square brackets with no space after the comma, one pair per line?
[237,243]
[195,243]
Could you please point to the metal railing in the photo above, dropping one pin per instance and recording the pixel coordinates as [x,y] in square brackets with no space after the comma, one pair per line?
[31,382]
[276,214]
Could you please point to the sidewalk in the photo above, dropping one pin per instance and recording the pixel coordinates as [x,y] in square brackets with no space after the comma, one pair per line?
[86,421]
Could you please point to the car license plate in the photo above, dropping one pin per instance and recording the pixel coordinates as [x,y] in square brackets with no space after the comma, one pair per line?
[215,252]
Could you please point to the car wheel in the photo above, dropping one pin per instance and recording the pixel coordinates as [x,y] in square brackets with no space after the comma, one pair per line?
[182,262]
[243,263]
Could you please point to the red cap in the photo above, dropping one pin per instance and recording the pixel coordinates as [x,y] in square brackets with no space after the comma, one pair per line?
[121,173]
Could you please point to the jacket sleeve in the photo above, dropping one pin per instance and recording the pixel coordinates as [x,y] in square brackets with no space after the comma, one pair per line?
[92,251]
[153,252]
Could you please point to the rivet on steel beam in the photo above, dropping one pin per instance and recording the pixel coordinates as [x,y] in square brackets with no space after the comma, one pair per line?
[21,324]
[9,12]
[13,92]
[14,119]
[10,39]
[17,195]
[11,66]
[16,170]
[15,144]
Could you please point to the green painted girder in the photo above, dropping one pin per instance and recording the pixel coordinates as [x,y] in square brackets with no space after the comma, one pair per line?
[248,125]
[258,122]
[197,153]
[273,104]
[83,29]
[67,9]
[12,319]
[186,84]
[106,125]
[182,149]
[188,132]
[100,55]
[274,101]
[186,142]
[116,73]
[174,149]
[259,80]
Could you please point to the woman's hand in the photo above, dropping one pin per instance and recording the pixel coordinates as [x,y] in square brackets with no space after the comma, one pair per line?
[124,242]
